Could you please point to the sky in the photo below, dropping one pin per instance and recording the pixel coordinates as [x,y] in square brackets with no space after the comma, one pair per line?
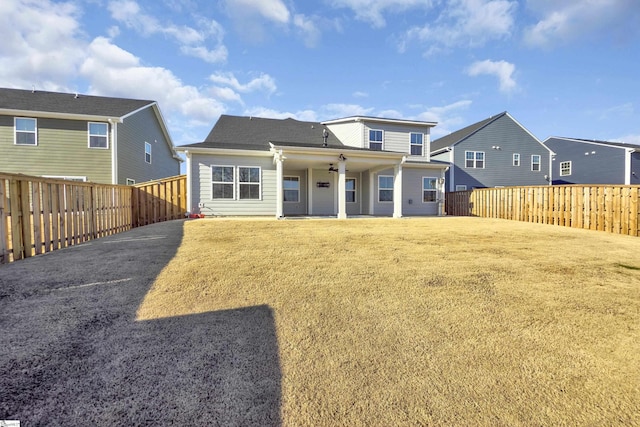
[559,67]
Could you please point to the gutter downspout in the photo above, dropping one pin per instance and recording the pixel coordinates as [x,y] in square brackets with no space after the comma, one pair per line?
[189,186]
[627,166]
[114,151]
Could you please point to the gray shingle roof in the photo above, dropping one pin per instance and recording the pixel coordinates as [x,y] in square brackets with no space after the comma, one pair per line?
[255,133]
[613,144]
[68,103]
[459,135]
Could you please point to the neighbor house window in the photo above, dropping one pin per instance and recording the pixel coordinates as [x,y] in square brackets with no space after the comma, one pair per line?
[535,162]
[248,183]
[385,188]
[516,159]
[565,168]
[474,159]
[375,139]
[416,144]
[350,190]
[222,179]
[429,189]
[26,131]
[131,181]
[461,187]
[147,152]
[291,187]
[98,135]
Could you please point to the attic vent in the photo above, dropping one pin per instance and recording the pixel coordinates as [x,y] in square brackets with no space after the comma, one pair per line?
[76,96]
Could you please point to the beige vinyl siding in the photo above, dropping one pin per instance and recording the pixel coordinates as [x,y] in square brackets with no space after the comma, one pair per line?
[202,188]
[132,134]
[397,137]
[350,134]
[62,150]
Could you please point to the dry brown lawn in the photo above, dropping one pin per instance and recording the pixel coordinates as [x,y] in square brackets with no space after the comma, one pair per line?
[434,321]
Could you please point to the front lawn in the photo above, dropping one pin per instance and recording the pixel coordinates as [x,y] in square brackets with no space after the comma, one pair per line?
[433,321]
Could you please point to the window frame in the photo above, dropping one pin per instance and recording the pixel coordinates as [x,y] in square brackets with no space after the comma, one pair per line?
[232,183]
[354,191]
[284,190]
[380,188]
[516,159]
[131,181]
[147,153]
[461,189]
[417,145]
[249,183]
[34,132]
[533,163]
[474,160]
[381,142]
[105,136]
[564,163]
[433,190]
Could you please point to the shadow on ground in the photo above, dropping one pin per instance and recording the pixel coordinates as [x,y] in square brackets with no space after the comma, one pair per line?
[72,353]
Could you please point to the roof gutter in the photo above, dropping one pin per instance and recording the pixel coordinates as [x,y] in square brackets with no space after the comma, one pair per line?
[67,116]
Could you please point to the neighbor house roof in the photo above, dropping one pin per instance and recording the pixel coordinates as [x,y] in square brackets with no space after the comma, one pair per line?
[595,141]
[255,133]
[380,120]
[459,135]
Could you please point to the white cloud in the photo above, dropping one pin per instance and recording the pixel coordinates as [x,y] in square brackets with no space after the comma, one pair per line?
[192,42]
[308,29]
[334,111]
[465,23]
[503,70]
[448,117]
[273,10]
[372,11]
[303,115]
[572,19]
[263,83]
[359,94]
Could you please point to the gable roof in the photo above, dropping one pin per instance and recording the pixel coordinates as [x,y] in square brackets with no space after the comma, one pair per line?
[595,141]
[255,133]
[379,120]
[464,133]
[68,103]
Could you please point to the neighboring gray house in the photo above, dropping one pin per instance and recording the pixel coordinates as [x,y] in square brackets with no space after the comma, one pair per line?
[495,152]
[85,138]
[582,161]
[349,166]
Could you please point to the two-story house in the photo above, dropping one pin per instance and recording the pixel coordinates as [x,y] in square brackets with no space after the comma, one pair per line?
[495,152]
[583,161]
[85,138]
[343,167]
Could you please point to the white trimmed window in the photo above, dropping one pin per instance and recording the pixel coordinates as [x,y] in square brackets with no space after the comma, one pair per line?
[291,187]
[223,182]
[147,152]
[535,162]
[249,183]
[461,187]
[474,159]
[375,139]
[131,181]
[429,189]
[385,188]
[26,131]
[350,190]
[516,159]
[98,135]
[416,144]
[565,168]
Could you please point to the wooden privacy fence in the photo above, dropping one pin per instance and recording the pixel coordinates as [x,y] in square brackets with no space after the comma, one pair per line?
[611,208]
[39,215]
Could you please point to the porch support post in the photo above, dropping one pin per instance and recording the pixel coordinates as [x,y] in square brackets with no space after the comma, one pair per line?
[342,197]
[279,188]
[397,191]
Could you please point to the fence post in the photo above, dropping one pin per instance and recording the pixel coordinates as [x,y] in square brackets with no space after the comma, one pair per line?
[4,253]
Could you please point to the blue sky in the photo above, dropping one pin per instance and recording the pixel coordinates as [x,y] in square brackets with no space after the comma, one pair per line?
[561,68]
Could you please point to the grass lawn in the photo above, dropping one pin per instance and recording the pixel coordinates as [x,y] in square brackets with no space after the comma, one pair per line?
[434,321]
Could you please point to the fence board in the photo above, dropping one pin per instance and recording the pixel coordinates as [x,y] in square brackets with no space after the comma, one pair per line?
[4,252]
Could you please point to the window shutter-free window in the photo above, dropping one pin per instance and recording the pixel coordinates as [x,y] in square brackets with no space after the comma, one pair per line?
[147,152]
[535,162]
[98,135]
[249,183]
[429,189]
[385,188]
[350,190]
[25,131]
[375,139]
[222,179]
[416,144]
[291,189]
[565,168]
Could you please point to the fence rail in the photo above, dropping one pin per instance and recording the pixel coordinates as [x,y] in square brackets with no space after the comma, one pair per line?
[611,208]
[39,215]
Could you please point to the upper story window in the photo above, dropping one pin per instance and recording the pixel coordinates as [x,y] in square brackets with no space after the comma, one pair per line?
[375,139]
[416,144]
[26,131]
[516,159]
[565,168]
[147,152]
[535,162]
[474,159]
[248,182]
[98,135]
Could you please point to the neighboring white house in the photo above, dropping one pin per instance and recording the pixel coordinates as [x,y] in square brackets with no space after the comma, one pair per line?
[343,167]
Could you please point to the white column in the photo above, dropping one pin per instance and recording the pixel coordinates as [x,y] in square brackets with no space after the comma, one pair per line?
[397,191]
[309,191]
[342,196]
[279,189]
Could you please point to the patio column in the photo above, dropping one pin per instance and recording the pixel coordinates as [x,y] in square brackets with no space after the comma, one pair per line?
[397,191]
[279,188]
[342,196]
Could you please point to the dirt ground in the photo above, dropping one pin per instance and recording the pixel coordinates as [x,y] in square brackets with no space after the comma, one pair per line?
[73,354]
